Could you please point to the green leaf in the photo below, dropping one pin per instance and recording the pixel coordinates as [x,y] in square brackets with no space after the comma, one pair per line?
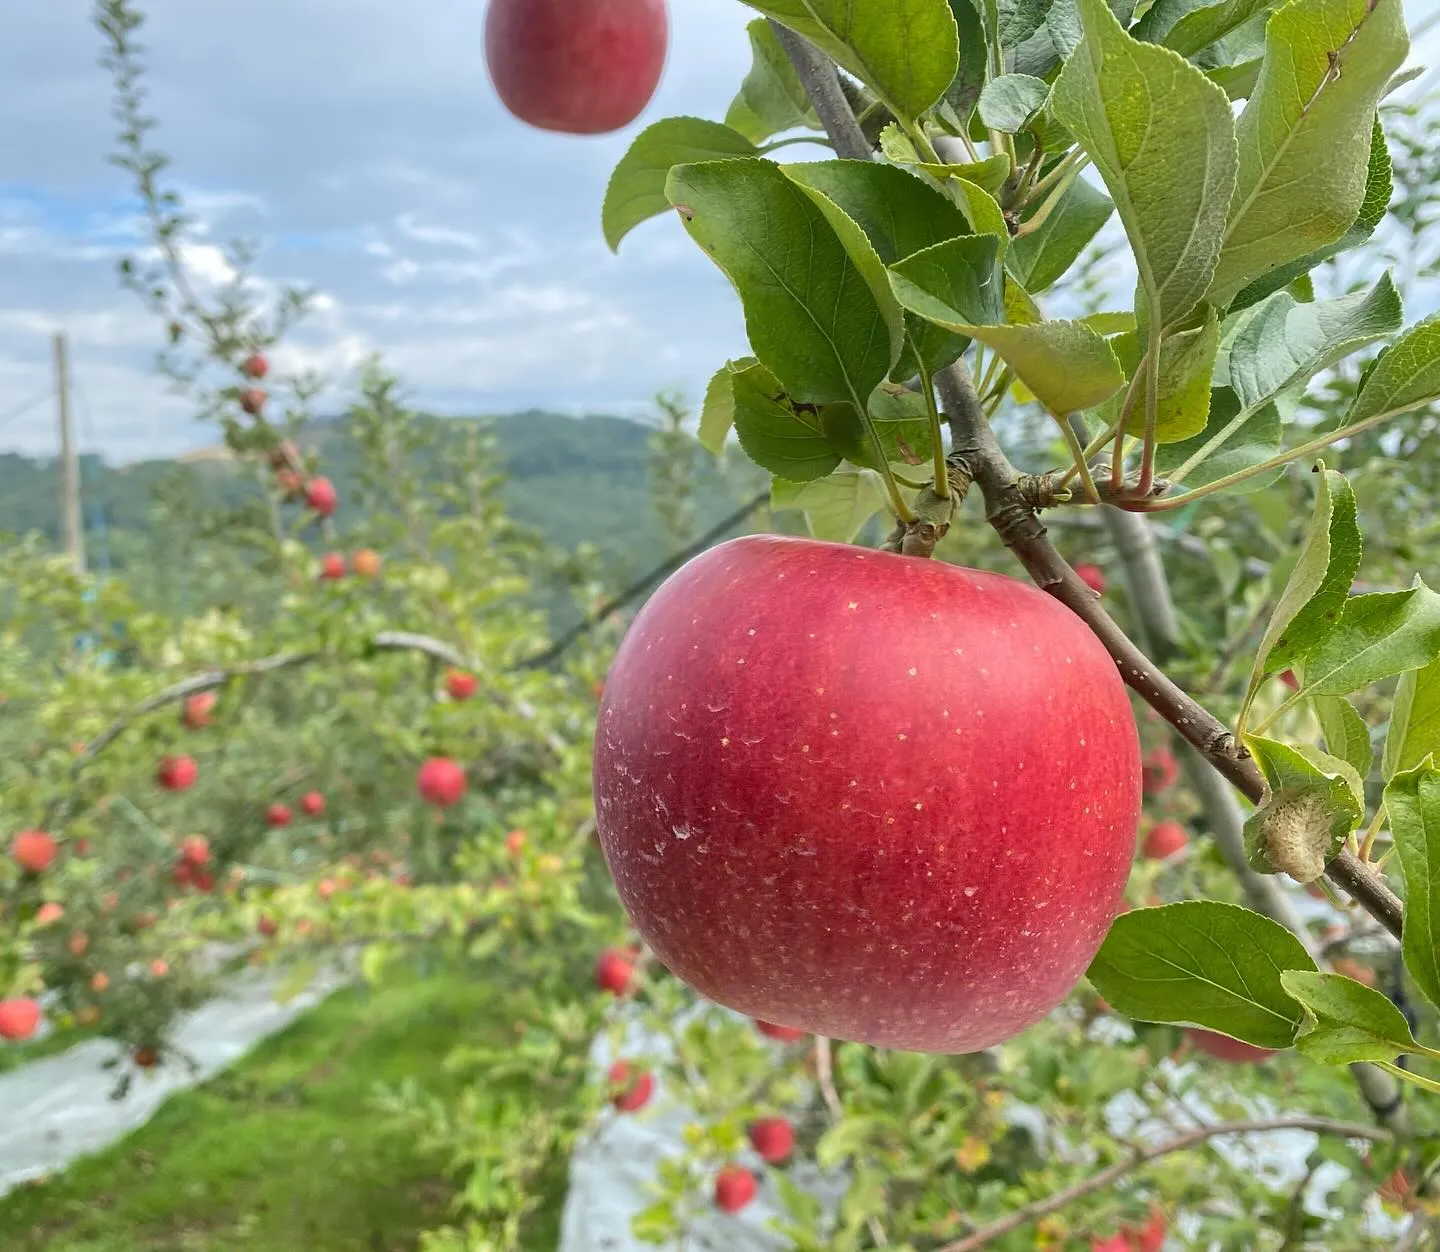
[1312,604]
[637,187]
[1187,360]
[771,98]
[957,283]
[1203,963]
[989,175]
[1346,735]
[1256,437]
[717,413]
[1414,731]
[906,51]
[1379,188]
[1307,125]
[1412,801]
[1045,255]
[960,97]
[1378,635]
[1010,101]
[1405,376]
[1346,1021]
[982,211]
[795,442]
[1282,343]
[1312,801]
[835,507]
[1189,25]
[812,320]
[1162,137]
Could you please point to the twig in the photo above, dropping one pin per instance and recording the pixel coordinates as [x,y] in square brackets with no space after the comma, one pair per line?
[822,84]
[825,1076]
[1142,1156]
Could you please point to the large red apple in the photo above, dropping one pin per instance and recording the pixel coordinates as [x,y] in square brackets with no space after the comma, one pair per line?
[579,66]
[34,850]
[873,797]
[1226,1048]
[19,1019]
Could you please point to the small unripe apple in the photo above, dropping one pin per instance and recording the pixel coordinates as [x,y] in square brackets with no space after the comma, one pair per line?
[320,495]
[312,804]
[735,1187]
[332,567]
[784,1034]
[1164,839]
[1226,1048]
[252,400]
[1159,771]
[1092,576]
[20,1018]
[773,1138]
[34,850]
[195,849]
[631,1088]
[614,972]
[198,710]
[366,562]
[177,773]
[279,816]
[578,66]
[515,842]
[49,913]
[460,685]
[441,781]
[874,797]
[255,366]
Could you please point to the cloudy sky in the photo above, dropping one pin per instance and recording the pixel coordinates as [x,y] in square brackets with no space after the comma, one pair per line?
[361,141]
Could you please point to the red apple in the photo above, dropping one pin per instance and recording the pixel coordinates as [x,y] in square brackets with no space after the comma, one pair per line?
[1115,1243]
[631,1088]
[312,804]
[198,710]
[159,968]
[252,400]
[279,815]
[255,366]
[614,972]
[785,1034]
[177,773]
[34,850]
[326,888]
[1288,678]
[773,1138]
[460,685]
[1093,577]
[875,797]
[267,926]
[579,66]
[49,913]
[515,842]
[1164,839]
[147,1058]
[332,567]
[366,562]
[441,781]
[195,849]
[1358,970]
[100,982]
[1151,1236]
[290,483]
[735,1187]
[1226,1048]
[1160,771]
[320,495]
[19,1019]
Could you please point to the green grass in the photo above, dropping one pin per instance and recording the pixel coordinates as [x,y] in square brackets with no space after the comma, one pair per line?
[284,1152]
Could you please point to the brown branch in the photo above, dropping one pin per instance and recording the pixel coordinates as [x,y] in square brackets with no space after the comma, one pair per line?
[822,84]
[1142,1156]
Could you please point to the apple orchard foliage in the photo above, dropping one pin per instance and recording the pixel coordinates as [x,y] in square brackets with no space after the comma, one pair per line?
[343,686]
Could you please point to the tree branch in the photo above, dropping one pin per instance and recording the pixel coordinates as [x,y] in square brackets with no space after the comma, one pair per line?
[822,84]
[1097,1182]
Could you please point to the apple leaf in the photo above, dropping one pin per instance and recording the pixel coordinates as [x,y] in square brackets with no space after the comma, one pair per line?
[906,51]
[958,103]
[812,320]
[1379,187]
[1282,343]
[837,506]
[772,98]
[1010,101]
[1206,964]
[1162,137]
[1187,360]
[1378,635]
[988,174]
[1414,731]
[955,284]
[1346,735]
[1412,801]
[795,442]
[636,190]
[1307,125]
[1346,1021]
[717,412]
[1187,26]
[982,211]
[1313,800]
[1405,376]
[1232,440]
[1045,255]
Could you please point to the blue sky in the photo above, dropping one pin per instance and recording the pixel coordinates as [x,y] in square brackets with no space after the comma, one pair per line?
[361,141]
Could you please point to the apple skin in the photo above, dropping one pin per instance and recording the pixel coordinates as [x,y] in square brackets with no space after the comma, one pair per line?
[1162,840]
[460,685]
[735,1187]
[582,67]
[198,710]
[614,972]
[1225,1048]
[441,781]
[19,1019]
[773,1138]
[332,567]
[177,773]
[312,804]
[255,366]
[1093,577]
[278,816]
[34,850]
[320,495]
[782,1034]
[874,797]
